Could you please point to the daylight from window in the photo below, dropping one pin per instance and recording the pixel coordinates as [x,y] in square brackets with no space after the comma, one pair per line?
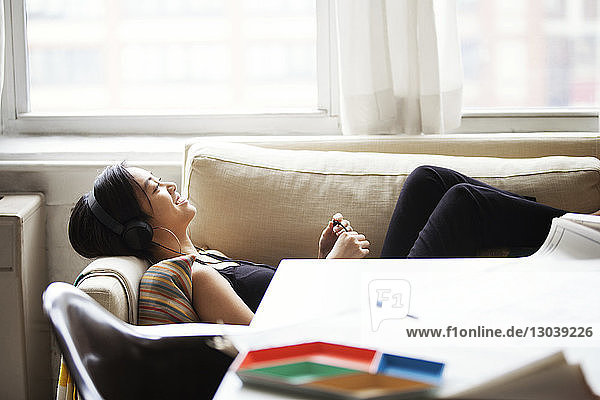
[530,53]
[190,56]
[238,56]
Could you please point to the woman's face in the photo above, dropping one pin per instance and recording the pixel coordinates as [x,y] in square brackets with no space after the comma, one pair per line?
[169,210]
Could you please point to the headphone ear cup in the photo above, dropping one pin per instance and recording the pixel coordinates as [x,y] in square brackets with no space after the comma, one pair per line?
[138,235]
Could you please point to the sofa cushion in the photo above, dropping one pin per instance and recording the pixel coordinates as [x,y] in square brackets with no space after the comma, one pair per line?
[267,204]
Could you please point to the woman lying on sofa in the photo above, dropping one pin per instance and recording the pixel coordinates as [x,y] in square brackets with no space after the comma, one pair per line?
[439,213]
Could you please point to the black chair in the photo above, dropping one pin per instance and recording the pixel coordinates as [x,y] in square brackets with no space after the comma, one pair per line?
[110,359]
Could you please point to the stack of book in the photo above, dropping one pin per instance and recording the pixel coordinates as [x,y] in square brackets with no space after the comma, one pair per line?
[550,378]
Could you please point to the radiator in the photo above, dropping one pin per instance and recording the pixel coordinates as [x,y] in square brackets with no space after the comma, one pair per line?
[25,337]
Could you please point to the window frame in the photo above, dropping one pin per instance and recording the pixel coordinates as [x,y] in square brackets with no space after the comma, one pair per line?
[17,119]
[529,120]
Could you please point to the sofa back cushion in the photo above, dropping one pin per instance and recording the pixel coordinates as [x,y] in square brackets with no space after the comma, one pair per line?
[266,204]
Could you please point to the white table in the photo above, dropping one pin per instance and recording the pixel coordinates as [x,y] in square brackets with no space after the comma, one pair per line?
[328,300]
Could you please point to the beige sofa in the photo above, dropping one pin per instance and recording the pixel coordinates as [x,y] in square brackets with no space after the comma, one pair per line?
[267,198]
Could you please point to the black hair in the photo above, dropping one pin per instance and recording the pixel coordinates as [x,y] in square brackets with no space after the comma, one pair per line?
[115,190]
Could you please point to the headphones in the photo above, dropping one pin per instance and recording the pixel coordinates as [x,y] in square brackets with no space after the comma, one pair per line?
[136,234]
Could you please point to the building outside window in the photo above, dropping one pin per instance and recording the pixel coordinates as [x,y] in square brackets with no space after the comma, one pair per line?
[190,56]
[530,54]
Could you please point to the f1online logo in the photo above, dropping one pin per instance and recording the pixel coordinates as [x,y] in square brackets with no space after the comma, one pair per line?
[388,299]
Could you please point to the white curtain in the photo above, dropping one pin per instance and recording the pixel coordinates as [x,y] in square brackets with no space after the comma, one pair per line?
[400,66]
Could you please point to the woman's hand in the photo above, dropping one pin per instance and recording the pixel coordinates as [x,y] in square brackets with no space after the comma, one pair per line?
[350,245]
[330,234]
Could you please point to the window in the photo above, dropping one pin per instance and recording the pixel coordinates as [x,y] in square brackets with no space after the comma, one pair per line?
[169,67]
[195,56]
[530,53]
[268,66]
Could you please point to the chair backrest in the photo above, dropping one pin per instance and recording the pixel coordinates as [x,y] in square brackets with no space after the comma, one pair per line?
[109,358]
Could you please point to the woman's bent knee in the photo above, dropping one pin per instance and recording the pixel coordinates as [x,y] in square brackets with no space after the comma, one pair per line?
[461,192]
[459,197]
[424,171]
[423,175]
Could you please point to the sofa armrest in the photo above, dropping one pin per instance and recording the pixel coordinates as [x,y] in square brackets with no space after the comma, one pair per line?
[114,283]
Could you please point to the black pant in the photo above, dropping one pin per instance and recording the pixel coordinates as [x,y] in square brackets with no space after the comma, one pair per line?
[442,213]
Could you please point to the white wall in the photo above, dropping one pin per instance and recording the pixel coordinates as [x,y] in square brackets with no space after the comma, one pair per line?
[63,185]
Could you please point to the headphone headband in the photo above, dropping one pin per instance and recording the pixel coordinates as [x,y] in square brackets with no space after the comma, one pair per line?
[137,234]
[103,216]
